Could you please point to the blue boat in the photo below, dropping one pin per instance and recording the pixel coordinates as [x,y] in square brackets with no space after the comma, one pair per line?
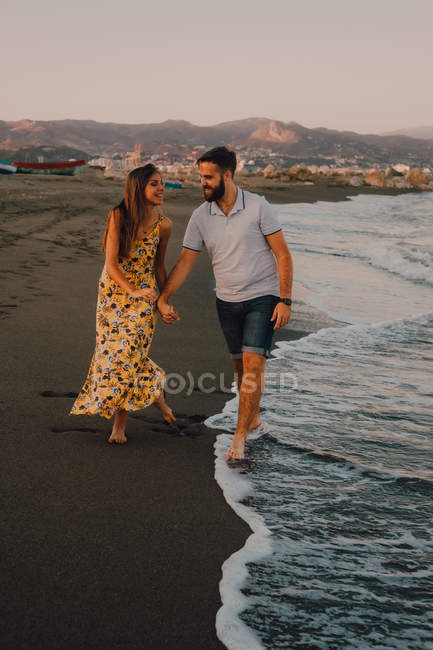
[176,186]
[7,167]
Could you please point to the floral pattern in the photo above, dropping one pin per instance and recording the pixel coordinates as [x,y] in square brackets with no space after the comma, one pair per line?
[121,375]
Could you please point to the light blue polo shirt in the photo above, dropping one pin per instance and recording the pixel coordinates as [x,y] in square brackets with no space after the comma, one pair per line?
[243,262]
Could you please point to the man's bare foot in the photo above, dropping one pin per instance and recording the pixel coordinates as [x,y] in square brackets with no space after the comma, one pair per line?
[236,449]
[255,422]
[118,437]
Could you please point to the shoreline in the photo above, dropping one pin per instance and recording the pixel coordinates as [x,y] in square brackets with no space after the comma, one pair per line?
[100,548]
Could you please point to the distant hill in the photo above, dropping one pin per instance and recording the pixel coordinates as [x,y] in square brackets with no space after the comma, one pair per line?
[43,152]
[286,138]
[423,132]
[106,137]
[303,142]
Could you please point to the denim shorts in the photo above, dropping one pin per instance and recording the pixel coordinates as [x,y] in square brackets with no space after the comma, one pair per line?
[247,326]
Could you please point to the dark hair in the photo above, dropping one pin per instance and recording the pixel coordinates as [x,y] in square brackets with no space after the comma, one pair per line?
[127,213]
[221,156]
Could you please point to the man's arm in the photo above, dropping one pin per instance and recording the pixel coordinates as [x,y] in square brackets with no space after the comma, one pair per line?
[282,312]
[175,280]
[164,236]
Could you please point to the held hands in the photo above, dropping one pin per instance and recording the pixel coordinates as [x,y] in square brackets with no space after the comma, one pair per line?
[281,315]
[149,294]
[168,312]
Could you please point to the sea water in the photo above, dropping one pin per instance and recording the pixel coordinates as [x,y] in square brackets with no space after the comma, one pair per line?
[338,488]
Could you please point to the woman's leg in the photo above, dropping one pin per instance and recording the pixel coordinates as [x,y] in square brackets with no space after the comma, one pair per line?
[162,406]
[119,426]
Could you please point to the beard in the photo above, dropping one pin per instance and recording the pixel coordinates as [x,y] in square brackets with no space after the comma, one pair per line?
[217,193]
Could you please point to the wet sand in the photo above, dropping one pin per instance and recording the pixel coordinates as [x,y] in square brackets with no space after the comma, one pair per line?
[107,547]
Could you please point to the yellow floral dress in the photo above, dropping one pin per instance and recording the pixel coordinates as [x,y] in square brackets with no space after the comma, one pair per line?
[121,375]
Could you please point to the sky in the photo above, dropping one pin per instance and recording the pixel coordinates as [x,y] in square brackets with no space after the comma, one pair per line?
[362,66]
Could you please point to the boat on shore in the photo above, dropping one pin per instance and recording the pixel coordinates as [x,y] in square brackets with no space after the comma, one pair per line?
[7,167]
[69,168]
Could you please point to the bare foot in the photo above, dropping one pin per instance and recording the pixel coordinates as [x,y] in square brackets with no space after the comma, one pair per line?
[255,422]
[236,449]
[168,414]
[117,436]
[166,411]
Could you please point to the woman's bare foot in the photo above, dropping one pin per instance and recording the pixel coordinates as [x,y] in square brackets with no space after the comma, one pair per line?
[119,426]
[236,449]
[166,411]
[168,415]
[118,436]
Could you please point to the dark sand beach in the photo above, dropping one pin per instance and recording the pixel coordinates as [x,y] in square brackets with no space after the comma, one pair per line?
[107,547]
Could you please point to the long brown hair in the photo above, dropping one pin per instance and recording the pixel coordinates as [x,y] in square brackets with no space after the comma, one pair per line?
[128,212]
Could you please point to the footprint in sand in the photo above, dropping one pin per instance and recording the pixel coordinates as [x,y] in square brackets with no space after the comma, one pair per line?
[81,429]
[185,426]
[190,426]
[52,393]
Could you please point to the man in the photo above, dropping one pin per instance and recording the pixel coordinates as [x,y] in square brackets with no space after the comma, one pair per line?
[253,272]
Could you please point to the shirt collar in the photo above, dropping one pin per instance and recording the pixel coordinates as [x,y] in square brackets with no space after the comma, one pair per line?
[239,204]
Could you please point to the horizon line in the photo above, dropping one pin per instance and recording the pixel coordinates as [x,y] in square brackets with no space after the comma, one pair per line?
[244,119]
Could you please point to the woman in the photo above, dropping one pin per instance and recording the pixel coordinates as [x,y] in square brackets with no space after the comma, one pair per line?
[121,376]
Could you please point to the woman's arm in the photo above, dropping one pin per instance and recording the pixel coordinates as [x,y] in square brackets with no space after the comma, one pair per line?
[164,236]
[112,264]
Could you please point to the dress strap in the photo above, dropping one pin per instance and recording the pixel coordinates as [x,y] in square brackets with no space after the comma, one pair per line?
[158,223]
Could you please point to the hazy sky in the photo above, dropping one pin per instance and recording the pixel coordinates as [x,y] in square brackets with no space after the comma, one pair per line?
[342,64]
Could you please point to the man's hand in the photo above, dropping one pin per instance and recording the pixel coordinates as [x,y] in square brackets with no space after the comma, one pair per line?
[168,312]
[281,315]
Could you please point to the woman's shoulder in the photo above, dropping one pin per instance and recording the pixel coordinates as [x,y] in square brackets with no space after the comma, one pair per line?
[114,217]
[165,224]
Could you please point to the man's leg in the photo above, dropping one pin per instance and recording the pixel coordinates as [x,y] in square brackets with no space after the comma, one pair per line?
[256,344]
[238,368]
[250,392]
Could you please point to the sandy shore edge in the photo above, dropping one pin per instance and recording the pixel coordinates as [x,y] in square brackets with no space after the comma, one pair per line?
[105,547]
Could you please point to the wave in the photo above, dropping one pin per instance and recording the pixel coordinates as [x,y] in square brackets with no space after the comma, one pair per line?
[410,261]
[351,463]
[359,334]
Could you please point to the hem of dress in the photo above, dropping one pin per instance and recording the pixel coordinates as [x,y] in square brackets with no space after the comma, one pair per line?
[104,413]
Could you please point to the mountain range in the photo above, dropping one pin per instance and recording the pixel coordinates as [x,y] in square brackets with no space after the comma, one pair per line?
[424,132]
[288,139]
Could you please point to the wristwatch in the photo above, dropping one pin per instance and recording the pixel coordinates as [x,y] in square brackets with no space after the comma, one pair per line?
[286,301]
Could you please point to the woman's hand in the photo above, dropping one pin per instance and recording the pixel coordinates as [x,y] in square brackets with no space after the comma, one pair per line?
[149,294]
